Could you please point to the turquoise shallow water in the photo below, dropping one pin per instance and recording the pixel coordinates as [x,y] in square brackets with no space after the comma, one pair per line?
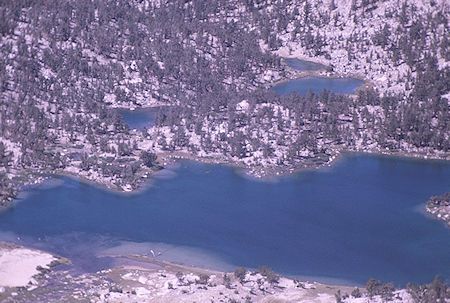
[361,218]
[317,85]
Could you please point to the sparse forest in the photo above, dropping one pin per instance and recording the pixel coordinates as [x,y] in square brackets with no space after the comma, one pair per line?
[66,64]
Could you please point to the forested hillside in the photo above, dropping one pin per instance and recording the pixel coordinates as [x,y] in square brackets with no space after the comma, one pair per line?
[64,66]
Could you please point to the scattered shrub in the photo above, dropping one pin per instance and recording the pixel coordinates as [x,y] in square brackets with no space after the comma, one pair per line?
[239,273]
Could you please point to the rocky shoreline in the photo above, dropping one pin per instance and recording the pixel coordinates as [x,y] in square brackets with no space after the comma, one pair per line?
[262,172]
[258,171]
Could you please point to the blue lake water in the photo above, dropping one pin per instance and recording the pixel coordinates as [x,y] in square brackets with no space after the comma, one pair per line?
[317,85]
[139,118]
[303,65]
[361,218]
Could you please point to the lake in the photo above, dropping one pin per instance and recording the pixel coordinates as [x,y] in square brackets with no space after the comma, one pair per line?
[361,218]
[317,85]
[303,65]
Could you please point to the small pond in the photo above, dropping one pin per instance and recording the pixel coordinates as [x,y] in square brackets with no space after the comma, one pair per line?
[139,118]
[317,85]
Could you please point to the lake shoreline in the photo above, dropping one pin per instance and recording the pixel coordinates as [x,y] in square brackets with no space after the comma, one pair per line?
[262,170]
[257,172]
[374,163]
[149,276]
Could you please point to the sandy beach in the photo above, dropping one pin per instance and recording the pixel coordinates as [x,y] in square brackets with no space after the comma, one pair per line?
[18,265]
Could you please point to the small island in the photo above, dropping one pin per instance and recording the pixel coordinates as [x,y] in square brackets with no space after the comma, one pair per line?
[439,207]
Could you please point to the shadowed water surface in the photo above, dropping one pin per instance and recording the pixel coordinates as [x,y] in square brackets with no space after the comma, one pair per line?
[361,218]
[303,65]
